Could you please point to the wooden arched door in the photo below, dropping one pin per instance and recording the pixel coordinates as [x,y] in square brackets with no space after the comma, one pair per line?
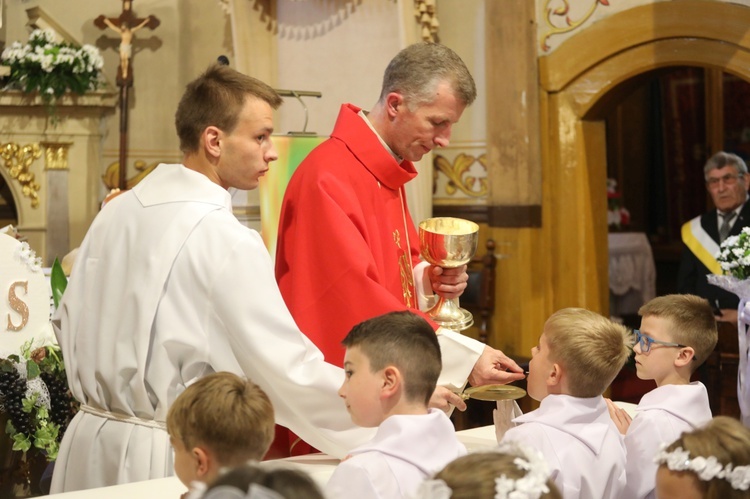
[580,82]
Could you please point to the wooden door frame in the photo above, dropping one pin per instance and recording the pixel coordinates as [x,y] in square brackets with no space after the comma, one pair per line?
[577,82]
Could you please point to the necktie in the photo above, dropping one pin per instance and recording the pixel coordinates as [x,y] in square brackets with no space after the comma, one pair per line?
[726,224]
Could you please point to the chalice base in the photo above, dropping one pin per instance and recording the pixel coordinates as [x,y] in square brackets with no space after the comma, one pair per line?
[447,314]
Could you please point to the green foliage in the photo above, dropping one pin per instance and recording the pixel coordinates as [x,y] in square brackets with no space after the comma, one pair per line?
[58,281]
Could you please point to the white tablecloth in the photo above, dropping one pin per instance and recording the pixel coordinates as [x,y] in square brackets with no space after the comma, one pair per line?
[632,273]
[318,466]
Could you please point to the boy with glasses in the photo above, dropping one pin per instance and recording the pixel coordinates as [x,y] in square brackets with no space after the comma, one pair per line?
[677,334]
[578,355]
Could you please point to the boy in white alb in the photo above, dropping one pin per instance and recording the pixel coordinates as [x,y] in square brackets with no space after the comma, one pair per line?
[578,355]
[678,333]
[392,364]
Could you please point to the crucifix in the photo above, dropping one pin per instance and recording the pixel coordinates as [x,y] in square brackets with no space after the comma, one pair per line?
[125,25]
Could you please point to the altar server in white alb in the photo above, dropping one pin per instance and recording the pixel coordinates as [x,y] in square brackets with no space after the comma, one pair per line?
[392,363]
[578,355]
[168,286]
[677,334]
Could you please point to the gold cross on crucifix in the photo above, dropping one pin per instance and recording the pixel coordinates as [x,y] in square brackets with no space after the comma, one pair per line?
[126,24]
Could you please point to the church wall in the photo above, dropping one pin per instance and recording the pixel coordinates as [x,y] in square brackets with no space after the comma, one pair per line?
[337,48]
[462,28]
[559,20]
[192,34]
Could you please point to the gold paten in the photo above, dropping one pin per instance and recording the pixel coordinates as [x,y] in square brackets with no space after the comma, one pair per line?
[494,392]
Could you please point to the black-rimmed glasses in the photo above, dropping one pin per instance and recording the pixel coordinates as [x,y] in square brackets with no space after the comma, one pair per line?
[647,341]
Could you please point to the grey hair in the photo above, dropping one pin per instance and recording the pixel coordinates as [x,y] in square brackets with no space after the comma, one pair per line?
[722,159]
[418,69]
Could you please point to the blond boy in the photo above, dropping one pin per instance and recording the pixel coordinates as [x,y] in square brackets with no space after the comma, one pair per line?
[578,355]
[391,366]
[677,334]
[220,421]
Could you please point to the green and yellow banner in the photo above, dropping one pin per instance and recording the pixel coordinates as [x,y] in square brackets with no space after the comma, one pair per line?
[292,150]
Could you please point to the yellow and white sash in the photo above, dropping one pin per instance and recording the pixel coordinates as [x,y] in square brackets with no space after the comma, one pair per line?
[701,244]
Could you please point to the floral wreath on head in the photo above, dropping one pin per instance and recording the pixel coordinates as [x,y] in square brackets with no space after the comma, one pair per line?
[705,468]
[530,486]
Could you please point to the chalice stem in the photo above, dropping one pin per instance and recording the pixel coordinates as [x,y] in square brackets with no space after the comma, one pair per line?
[447,313]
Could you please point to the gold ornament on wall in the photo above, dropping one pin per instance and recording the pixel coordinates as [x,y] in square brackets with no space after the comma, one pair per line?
[56,155]
[111,176]
[425,13]
[458,177]
[559,10]
[17,160]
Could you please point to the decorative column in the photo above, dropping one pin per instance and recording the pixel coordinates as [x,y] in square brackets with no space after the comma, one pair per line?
[58,219]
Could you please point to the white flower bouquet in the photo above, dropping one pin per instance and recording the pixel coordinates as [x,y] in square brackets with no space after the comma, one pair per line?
[734,259]
[51,68]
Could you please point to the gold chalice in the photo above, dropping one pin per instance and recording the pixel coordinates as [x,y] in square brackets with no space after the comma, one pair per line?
[449,243]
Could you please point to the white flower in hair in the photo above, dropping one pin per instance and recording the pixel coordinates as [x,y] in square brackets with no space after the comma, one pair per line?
[530,486]
[533,484]
[705,468]
[433,489]
[709,467]
[739,477]
[677,460]
[504,486]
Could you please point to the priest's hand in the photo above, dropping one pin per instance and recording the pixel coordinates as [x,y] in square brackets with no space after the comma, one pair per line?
[494,367]
[445,400]
[448,283]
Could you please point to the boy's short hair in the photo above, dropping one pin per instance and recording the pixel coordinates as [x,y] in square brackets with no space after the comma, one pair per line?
[404,340]
[692,320]
[216,98]
[230,416]
[591,348]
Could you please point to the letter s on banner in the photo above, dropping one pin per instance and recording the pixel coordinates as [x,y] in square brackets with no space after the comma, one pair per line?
[18,305]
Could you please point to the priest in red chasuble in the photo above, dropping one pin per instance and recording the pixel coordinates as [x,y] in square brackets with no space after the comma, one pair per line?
[348,249]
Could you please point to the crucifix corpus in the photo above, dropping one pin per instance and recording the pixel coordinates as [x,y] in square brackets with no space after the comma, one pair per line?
[125,25]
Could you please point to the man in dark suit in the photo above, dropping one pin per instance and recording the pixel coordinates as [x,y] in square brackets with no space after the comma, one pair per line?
[727,181]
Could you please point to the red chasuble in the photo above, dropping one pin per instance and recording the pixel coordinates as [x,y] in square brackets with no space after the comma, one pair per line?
[347,243]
